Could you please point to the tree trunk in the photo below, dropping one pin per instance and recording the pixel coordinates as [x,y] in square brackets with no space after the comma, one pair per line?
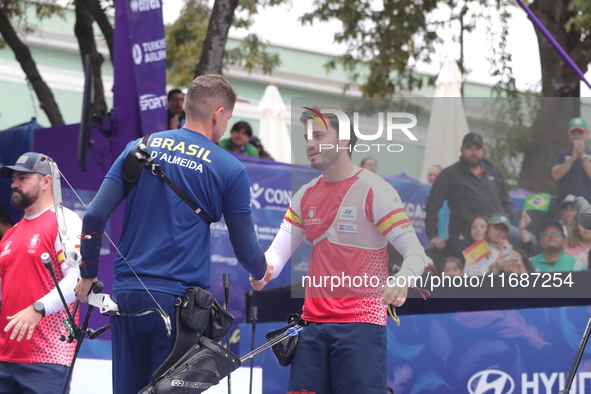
[87,45]
[214,45]
[560,93]
[23,56]
[98,13]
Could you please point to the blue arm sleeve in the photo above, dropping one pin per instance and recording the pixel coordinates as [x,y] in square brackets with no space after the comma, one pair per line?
[246,246]
[109,196]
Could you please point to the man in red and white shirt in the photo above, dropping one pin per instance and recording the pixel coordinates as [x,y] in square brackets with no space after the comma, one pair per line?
[349,214]
[30,306]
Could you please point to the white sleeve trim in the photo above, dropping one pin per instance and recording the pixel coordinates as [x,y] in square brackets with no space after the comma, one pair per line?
[288,238]
[52,300]
[409,246]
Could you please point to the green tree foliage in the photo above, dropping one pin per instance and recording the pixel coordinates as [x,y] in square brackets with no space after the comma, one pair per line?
[386,39]
[184,40]
[185,37]
[14,17]
[389,39]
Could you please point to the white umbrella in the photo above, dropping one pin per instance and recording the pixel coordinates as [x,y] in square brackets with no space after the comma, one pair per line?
[447,124]
[273,131]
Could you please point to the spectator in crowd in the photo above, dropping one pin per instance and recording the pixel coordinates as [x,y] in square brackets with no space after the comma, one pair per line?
[496,236]
[370,163]
[452,266]
[471,186]
[578,242]
[520,262]
[433,173]
[568,213]
[176,114]
[5,220]
[572,167]
[517,263]
[553,257]
[263,154]
[527,244]
[30,306]
[240,135]
[476,231]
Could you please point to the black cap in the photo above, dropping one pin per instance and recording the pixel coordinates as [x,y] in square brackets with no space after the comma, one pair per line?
[552,223]
[570,199]
[254,140]
[472,138]
[28,162]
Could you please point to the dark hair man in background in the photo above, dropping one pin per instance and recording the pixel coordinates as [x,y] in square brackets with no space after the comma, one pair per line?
[176,115]
[239,140]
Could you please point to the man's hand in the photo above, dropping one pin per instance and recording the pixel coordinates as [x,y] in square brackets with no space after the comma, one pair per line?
[260,284]
[501,263]
[525,220]
[83,288]
[503,258]
[578,149]
[395,295]
[23,322]
[438,242]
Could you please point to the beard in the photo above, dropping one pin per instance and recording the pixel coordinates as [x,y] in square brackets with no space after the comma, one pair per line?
[327,158]
[20,200]
[472,161]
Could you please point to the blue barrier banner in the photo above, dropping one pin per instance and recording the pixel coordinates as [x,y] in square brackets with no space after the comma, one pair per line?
[527,351]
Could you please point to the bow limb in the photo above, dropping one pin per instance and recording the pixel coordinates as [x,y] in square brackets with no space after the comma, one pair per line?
[71,255]
[159,308]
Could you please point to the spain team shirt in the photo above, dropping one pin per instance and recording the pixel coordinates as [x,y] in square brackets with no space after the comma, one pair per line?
[25,280]
[163,240]
[313,210]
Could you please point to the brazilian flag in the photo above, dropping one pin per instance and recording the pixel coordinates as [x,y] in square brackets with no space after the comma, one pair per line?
[538,202]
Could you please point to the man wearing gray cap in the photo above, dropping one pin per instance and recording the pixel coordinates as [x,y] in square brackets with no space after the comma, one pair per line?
[30,306]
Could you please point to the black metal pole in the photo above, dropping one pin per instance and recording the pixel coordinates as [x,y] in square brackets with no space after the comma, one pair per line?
[46,259]
[254,312]
[79,340]
[573,370]
[226,283]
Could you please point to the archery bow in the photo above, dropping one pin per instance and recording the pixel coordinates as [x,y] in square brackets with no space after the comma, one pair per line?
[102,301]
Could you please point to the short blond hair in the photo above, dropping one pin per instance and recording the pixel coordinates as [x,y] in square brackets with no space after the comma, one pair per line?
[206,94]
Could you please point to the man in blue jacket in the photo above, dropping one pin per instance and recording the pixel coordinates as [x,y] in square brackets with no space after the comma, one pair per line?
[165,245]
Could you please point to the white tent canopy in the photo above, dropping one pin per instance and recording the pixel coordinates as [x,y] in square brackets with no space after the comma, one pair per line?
[447,124]
[273,131]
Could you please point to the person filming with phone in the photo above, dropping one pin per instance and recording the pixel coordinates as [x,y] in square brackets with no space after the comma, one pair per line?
[501,250]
